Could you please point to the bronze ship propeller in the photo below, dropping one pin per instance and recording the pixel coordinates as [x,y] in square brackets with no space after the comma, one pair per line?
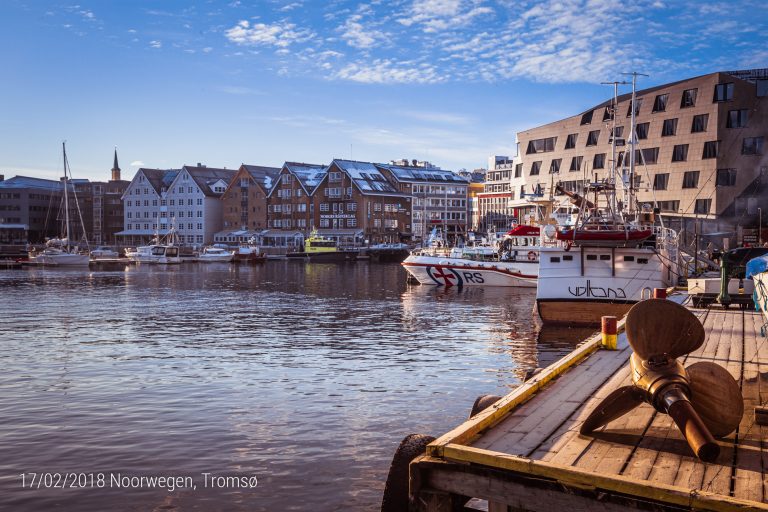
[703,399]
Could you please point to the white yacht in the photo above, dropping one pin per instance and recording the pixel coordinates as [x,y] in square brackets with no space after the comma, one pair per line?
[213,254]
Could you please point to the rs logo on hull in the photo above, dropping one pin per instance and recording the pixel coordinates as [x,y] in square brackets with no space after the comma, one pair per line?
[448,277]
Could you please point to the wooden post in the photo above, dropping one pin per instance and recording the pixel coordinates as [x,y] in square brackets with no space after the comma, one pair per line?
[609,332]
[659,293]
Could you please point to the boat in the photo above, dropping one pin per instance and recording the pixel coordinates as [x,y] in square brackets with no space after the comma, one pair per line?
[104,252]
[60,252]
[214,254]
[167,254]
[609,259]
[318,248]
[512,261]
[388,253]
[250,253]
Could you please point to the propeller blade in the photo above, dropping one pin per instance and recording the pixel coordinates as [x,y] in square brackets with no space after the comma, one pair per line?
[615,405]
[716,397]
[660,326]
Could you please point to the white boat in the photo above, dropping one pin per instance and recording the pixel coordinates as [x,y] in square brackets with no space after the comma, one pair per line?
[513,261]
[757,270]
[213,254]
[606,263]
[103,252]
[59,252]
[250,253]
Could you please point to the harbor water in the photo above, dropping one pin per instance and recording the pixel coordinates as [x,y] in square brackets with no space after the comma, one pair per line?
[285,386]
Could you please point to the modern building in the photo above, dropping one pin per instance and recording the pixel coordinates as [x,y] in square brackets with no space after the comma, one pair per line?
[700,157]
[244,203]
[495,207]
[29,209]
[438,198]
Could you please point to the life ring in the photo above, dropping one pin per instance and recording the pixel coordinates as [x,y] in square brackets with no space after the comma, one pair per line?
[531,256]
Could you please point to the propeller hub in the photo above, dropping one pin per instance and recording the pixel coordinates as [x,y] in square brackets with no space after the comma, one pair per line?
[656,374]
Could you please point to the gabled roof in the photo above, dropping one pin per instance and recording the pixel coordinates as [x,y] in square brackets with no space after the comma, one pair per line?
[264,176]
[29,182]
[309,175]
[366,176]
[159,178]
[422,175]
[204,177]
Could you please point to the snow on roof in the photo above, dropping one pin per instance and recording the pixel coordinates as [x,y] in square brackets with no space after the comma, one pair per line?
[310,175]
[29,182]
[366,176]
[408,173]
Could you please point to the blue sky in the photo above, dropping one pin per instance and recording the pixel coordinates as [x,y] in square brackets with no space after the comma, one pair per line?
[261,82]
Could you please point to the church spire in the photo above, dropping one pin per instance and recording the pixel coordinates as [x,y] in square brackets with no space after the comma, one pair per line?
[115,168]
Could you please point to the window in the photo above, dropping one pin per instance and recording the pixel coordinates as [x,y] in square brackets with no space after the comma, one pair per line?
[608,112]
[647,156]
[737,118]
[599,161]
[691,179]
[699,123]
[723,92]
[351,223]
[541,145]
[660,181]
[586,118]
[576,163]
[669,206]
[617,132]
[642,130]
[334,176]
[351,207]
[638,104]
[554,167]
[535,167]
[518,170]
[669,127]
[726,178]
[752,146]
[702,206]
[592,137]
[324,207]
[689,98]
[570,142]
[710,149]
[680,153]
[660,103]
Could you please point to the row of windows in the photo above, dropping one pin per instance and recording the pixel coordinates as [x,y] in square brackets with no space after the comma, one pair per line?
[438,189]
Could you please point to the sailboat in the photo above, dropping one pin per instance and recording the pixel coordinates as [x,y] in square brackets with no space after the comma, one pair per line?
[60,252]
[608,260]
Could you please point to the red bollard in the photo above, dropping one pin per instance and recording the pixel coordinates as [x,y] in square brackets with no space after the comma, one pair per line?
[659,293]
[609,331]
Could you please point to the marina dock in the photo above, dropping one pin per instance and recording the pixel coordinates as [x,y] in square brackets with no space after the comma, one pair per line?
[525,452]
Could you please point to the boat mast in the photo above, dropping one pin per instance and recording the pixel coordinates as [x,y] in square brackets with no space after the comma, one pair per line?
[66,195]
[614,109]
[632,140]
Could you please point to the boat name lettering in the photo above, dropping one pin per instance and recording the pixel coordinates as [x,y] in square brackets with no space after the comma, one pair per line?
[473,277]
[597,292]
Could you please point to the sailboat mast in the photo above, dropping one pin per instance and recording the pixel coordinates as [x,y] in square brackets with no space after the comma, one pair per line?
[66,192]
[632,141]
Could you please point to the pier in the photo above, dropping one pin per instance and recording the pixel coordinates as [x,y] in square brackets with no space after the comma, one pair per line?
[525,452]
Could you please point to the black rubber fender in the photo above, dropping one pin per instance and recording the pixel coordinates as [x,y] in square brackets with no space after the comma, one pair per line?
[483,402]
[396,489]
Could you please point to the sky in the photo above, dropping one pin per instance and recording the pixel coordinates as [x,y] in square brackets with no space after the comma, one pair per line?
[223,83]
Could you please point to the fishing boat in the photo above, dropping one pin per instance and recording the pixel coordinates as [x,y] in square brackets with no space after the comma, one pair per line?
[608,260]
[512,261]
[318,248]
[250,253]
[60,252]
[213,254]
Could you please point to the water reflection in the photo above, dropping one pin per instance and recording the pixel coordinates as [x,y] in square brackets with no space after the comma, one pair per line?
[306,375]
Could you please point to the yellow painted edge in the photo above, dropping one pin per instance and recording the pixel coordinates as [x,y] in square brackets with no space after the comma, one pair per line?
[575,477]
[495,413]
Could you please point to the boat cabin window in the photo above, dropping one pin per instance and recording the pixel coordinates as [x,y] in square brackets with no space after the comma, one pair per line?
[629,258]
[554,259]
[642,261]
[568,258]
[591,256]
[605,257]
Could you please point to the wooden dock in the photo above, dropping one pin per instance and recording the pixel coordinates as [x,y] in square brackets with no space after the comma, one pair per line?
[525,452]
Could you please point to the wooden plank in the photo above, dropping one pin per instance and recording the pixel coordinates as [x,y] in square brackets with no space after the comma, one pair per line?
[578,478]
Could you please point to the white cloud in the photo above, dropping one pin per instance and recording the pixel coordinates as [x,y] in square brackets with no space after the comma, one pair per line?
[281,34]
[384,71]
[438,15]
[290,7]
[359,35]
[137,163]
[156,44]
[207,49]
